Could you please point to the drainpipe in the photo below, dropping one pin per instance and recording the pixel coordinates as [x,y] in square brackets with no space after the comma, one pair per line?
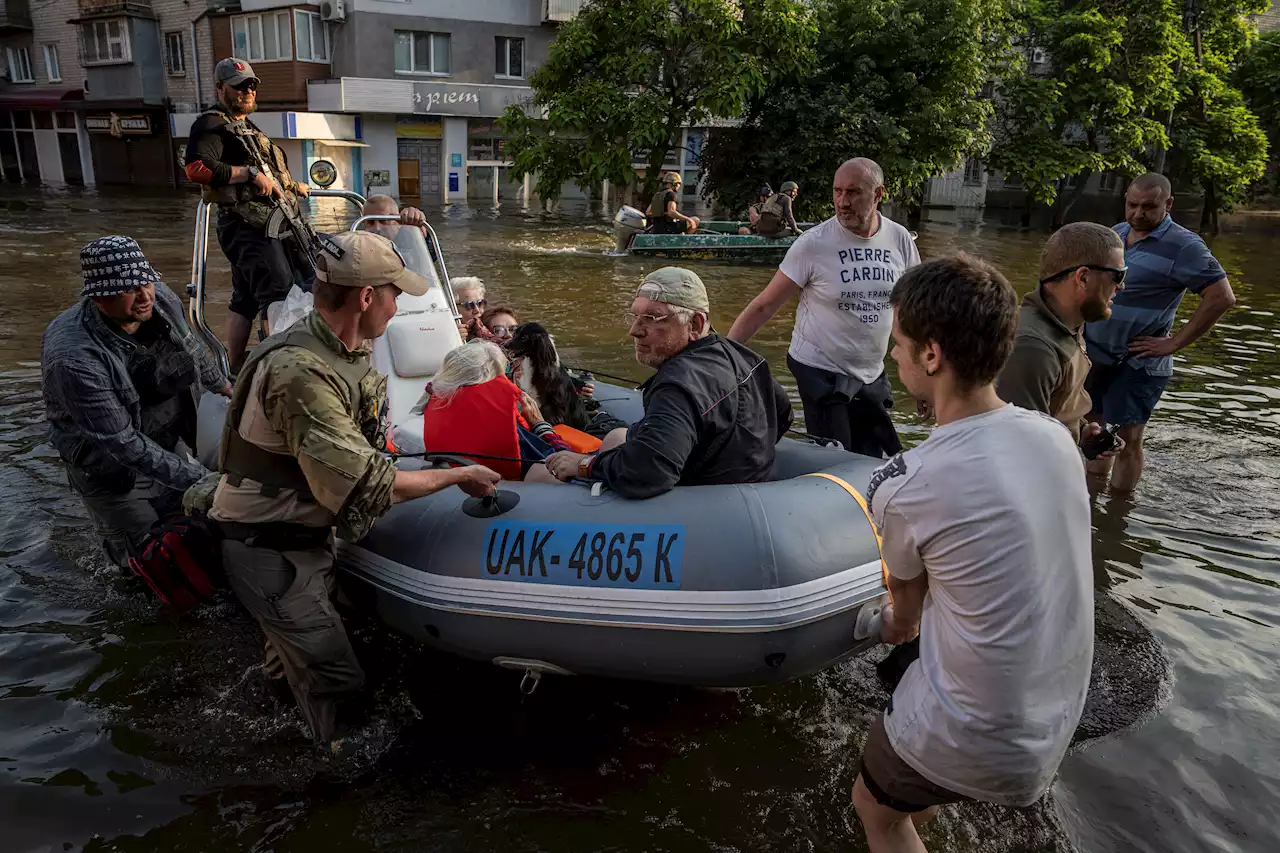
[195,66]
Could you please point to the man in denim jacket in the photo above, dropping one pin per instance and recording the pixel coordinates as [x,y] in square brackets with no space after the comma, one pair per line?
[122,373]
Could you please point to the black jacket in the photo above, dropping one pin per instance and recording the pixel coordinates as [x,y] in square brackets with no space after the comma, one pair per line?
[712,414]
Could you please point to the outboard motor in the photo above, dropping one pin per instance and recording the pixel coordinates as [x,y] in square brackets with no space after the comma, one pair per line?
[627,223]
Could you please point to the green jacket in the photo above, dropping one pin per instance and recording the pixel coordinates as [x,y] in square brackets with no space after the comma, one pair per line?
[1048,366]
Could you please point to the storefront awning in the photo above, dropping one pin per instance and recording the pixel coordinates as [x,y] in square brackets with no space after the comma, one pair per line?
[46,99]
[342,143]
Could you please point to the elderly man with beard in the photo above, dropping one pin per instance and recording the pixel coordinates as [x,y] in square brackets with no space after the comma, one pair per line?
[843,271]
[712,412]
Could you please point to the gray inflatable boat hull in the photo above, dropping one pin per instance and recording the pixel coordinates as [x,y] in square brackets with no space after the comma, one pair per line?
[716,586]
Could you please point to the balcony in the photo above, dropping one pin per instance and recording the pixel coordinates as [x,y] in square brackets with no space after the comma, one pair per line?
[15,17]
[559,11]
[111,8]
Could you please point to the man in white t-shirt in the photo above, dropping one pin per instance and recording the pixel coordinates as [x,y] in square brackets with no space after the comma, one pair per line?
[986,538]
[843,271]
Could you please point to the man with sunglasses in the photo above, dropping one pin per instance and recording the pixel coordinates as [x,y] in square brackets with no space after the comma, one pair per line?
[1081,271]
[263,268]
[1132,351]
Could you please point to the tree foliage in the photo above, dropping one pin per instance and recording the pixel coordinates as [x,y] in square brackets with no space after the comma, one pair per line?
[1099,99]
[625,76]
[898,81]
[1257,76]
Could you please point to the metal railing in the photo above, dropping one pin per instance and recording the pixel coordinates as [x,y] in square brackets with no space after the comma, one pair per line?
[197,288]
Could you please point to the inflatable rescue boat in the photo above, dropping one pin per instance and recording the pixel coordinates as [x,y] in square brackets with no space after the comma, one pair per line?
[718,586]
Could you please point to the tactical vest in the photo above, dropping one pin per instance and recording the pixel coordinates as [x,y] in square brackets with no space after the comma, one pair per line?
[657,209]
[773,205]
[240,459]
[241,197]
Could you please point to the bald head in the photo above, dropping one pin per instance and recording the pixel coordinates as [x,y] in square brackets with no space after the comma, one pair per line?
[380,205]
[1153,181]
[855,191]
[864,168]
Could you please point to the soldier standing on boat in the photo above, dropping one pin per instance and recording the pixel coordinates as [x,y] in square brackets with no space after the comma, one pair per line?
[302,454]
[249,187]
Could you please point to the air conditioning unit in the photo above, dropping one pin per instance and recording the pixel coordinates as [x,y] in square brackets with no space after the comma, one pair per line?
[333,10]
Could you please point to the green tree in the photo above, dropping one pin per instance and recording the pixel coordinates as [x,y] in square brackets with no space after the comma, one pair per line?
[1218,140]
[1257,76]
[1099,99]
[625,76]
[898,81]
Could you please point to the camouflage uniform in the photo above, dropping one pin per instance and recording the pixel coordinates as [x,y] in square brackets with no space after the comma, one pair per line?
[298,399]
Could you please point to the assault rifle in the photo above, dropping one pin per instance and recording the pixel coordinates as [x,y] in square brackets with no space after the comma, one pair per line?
[286,217]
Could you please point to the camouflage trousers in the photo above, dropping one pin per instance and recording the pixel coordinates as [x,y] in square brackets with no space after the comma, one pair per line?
[290,594]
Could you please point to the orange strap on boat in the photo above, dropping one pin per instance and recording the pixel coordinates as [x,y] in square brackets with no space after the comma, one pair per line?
[866,510]
[578,441]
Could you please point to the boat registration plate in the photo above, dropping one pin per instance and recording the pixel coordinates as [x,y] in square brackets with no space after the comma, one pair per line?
[629,556]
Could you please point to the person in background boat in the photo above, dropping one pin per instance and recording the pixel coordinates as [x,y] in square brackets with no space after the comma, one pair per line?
[1081,270]
[843,270]
[563,398]
[411,249]
[470,408]
[664,210]
[712,413]
[1132,351]
[263,268]
[302,453]
[776,216]
[121,373]
[985,534]
[753,210]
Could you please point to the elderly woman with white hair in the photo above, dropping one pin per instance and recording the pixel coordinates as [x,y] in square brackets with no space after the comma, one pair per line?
[470,408]
[469,294]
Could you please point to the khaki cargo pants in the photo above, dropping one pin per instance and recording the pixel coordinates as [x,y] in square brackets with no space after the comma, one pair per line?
[290,594]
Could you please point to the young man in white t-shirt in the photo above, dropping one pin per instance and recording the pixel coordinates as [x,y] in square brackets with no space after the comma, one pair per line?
[986,538]
[843,271]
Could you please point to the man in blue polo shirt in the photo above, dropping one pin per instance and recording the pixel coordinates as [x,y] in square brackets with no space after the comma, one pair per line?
[1132,352]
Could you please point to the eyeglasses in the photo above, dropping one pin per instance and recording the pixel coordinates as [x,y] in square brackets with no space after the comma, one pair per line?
[646,319]
[1117,274]
[473,304]
[247,86]
[503,330]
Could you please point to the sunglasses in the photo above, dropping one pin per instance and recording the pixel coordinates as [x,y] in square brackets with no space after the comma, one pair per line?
[246,86]
[473,304]
[1116,274]
[503,330]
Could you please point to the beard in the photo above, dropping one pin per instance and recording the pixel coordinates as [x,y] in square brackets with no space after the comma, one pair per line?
[1096,309]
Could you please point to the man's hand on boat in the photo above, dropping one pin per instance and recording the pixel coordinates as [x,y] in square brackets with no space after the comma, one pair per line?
[476,480]
[412,216]
[895,631]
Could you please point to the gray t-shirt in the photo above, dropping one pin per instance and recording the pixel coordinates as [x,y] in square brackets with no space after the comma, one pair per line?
[995,509]
[844,320]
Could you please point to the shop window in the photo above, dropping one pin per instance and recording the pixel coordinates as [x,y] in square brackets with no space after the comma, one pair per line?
[261,38]
[44,120]
[175,58]
[485,149]
[66,120]
[510,57]
[422,53]
[106,42]
[20,65]
[52,67]
[22,119]
[313,36]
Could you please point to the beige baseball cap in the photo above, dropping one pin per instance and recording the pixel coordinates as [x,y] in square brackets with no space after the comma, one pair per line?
[676,286]
[365,259]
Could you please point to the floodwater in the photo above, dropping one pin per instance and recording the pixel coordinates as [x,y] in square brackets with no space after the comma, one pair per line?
[125,728]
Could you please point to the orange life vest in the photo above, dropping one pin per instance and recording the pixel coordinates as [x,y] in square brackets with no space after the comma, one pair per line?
[478,419]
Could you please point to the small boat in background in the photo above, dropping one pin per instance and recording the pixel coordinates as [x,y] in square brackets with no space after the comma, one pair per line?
[716,240]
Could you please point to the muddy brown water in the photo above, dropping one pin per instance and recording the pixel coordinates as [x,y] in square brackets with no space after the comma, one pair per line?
[123,728]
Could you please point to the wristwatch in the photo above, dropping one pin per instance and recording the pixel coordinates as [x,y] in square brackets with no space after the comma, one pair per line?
[254,171]
[584,466]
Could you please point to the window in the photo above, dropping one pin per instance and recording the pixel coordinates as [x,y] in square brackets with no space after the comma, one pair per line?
[20,65]
[973,172]
[106,42]
[174,57]
[509,53]
[1109,182]
[260,38]
[422,53]
[52,67]
[313,36]
[1013,180]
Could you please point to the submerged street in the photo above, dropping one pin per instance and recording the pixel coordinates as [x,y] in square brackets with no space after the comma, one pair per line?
[122,728]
